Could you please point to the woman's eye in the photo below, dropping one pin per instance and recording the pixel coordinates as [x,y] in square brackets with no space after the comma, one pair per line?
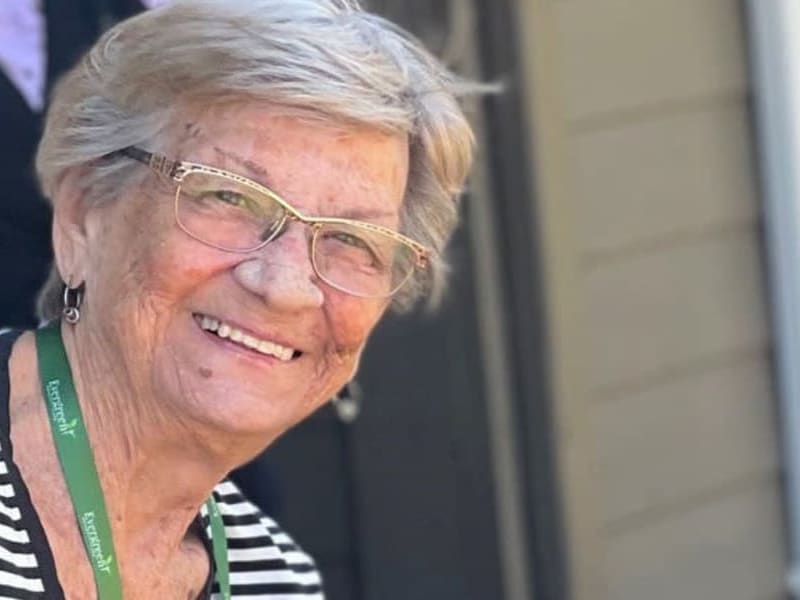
[229,197]
[350,240]
[356,249]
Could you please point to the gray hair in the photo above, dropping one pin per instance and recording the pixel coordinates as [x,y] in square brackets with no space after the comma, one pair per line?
[328,58]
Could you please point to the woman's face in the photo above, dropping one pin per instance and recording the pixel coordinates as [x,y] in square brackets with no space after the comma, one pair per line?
[149,284]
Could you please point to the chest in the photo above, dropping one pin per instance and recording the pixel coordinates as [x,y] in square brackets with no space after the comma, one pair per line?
[180,575]
[148,567]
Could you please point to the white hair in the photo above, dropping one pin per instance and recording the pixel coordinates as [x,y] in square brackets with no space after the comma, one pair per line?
[328,58]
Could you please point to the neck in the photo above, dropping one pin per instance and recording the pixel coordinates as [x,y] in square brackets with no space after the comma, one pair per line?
[155,468]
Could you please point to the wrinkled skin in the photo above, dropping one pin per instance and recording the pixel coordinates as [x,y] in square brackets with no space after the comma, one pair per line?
[146,278]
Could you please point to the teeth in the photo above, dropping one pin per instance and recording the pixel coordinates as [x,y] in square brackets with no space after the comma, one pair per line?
[279,351]
[226,331]
[210,324]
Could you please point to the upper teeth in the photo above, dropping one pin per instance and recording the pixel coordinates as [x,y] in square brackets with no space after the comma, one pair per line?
[224,330]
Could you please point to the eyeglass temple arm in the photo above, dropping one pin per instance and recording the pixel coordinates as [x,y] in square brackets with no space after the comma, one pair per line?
[158,162]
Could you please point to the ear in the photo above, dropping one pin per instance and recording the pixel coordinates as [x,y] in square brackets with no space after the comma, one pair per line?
[70,231]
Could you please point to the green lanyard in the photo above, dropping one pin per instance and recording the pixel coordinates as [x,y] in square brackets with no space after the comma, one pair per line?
[80,472]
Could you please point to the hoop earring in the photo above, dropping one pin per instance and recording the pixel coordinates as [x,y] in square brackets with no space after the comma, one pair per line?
[348,402]
[73,298]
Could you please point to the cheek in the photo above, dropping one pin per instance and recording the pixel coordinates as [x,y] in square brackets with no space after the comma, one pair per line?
[351,321]
[146,263]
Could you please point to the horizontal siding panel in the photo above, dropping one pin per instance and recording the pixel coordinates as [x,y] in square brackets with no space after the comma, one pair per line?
[621,54]
[659,311]
[660,446]
[731,549]
[650,180]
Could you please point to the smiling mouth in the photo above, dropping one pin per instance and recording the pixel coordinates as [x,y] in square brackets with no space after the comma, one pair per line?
[237,336]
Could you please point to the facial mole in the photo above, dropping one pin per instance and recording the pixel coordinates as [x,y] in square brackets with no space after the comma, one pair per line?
[191,130]
[206,373]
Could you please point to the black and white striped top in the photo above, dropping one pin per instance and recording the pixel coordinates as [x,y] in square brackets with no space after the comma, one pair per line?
[265,564]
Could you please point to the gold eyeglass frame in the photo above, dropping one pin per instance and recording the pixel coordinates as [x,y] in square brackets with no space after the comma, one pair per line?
[178,170]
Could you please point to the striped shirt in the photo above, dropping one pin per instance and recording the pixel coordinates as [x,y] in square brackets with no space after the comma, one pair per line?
[265,564]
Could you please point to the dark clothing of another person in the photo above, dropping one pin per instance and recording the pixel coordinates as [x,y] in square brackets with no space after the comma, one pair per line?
[25,251]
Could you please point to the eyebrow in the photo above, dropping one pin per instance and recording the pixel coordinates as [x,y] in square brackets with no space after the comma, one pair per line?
[365,215]
[254,169]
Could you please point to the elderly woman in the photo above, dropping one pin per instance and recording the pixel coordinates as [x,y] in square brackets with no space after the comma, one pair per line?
[241,189]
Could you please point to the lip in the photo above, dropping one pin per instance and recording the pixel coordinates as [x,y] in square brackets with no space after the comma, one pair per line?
[261,335]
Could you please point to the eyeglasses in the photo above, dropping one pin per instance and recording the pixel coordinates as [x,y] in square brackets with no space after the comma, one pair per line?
[235,214]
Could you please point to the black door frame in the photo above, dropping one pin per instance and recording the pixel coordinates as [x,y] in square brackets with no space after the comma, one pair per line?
[511,179]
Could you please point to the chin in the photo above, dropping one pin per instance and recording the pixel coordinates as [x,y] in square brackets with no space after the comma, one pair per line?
[236,406]
[235,389]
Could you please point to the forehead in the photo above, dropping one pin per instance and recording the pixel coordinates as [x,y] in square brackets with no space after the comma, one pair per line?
[324,168]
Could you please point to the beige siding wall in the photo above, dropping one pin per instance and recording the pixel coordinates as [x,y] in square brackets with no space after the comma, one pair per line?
[651,142]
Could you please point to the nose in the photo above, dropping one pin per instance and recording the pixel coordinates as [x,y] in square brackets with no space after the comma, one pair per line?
[281,273]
